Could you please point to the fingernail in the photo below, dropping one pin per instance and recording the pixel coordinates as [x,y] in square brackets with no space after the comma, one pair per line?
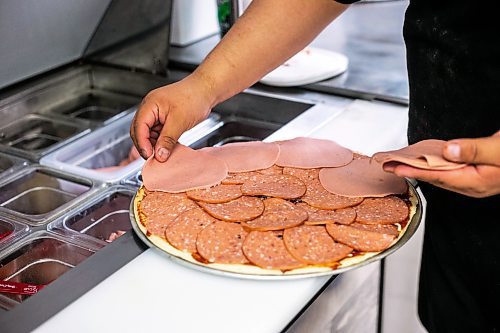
[453,150]
[389,167]
[163,153]
[143,153]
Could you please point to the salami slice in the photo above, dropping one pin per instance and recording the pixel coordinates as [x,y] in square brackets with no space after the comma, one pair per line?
[309,153]
[361,240]
[318,197]
[278,214]
[182,232]
[221,242]
[306,175]
[389,229]
[239,178]
[216,194]
[238,210]
[161,209]
[360,178]
[278,186]
[267,249]
[323,216]
[274,170]
[312,245]
[387,210]
[246,156]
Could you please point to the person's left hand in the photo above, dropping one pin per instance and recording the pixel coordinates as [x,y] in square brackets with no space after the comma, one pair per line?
[479,179]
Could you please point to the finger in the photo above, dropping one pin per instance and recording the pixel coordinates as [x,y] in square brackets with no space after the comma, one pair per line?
[474,151]
[146,118]
[169,135]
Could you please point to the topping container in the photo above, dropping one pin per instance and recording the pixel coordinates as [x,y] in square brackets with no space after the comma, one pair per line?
[100,220]
[38,194]
[39,260]
[99,154]
[11,231]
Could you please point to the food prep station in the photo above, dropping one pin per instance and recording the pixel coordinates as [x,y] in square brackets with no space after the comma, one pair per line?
[64,203]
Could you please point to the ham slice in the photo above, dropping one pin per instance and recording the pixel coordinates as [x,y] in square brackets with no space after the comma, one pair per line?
[426,154]
[360,178]
[308,153]
[246,156]
[186,169]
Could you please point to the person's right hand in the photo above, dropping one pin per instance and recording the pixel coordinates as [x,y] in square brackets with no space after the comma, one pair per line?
[167,112]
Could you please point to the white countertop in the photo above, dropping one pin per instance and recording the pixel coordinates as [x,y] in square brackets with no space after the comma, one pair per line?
[152,293]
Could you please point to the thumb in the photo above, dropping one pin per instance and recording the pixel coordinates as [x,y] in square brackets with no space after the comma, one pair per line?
[170,133]
[474,151]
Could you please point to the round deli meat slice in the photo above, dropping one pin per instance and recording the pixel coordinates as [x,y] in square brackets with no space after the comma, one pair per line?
[161,209]
[360,240]
[186,169]
[361,178]
[183,231]
[308,153]
[312,245]
[221,242]
[278,214]
[306,175]
[323,216]
[246,156]
[274,170]
[318,197]
[277,186]
[239,178]
[267,249]
[389,229]
[216,194]
[238,210]
[426,154]
[387,210]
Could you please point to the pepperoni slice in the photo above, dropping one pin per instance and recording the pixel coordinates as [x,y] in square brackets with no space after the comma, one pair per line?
[361,240]
[239,210]
[389,229]
[323,216]
[278,214]
[278,186]
[161,209]
[274,170]
[306,175]
[239,178]
[216,194]
[221,242]
[267,249]
[318,197]
[182,232]
[387,210]
[312,245]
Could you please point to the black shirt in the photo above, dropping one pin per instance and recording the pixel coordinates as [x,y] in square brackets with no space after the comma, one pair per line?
[453,59]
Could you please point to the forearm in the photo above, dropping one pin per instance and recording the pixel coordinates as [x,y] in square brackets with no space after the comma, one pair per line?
[268,34]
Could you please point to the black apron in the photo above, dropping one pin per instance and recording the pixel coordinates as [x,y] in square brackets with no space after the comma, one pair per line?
[453,56]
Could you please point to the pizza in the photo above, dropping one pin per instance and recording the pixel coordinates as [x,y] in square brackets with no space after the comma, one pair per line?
[273,209]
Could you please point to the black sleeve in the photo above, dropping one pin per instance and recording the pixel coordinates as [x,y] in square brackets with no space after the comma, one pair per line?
[346,2]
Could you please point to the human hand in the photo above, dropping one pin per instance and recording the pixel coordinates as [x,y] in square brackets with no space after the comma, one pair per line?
[167,112]
[479,179]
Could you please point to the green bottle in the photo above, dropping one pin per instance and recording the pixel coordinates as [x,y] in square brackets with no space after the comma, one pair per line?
[227,14]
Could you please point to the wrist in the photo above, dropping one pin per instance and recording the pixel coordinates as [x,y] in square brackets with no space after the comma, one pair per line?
[204,84]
